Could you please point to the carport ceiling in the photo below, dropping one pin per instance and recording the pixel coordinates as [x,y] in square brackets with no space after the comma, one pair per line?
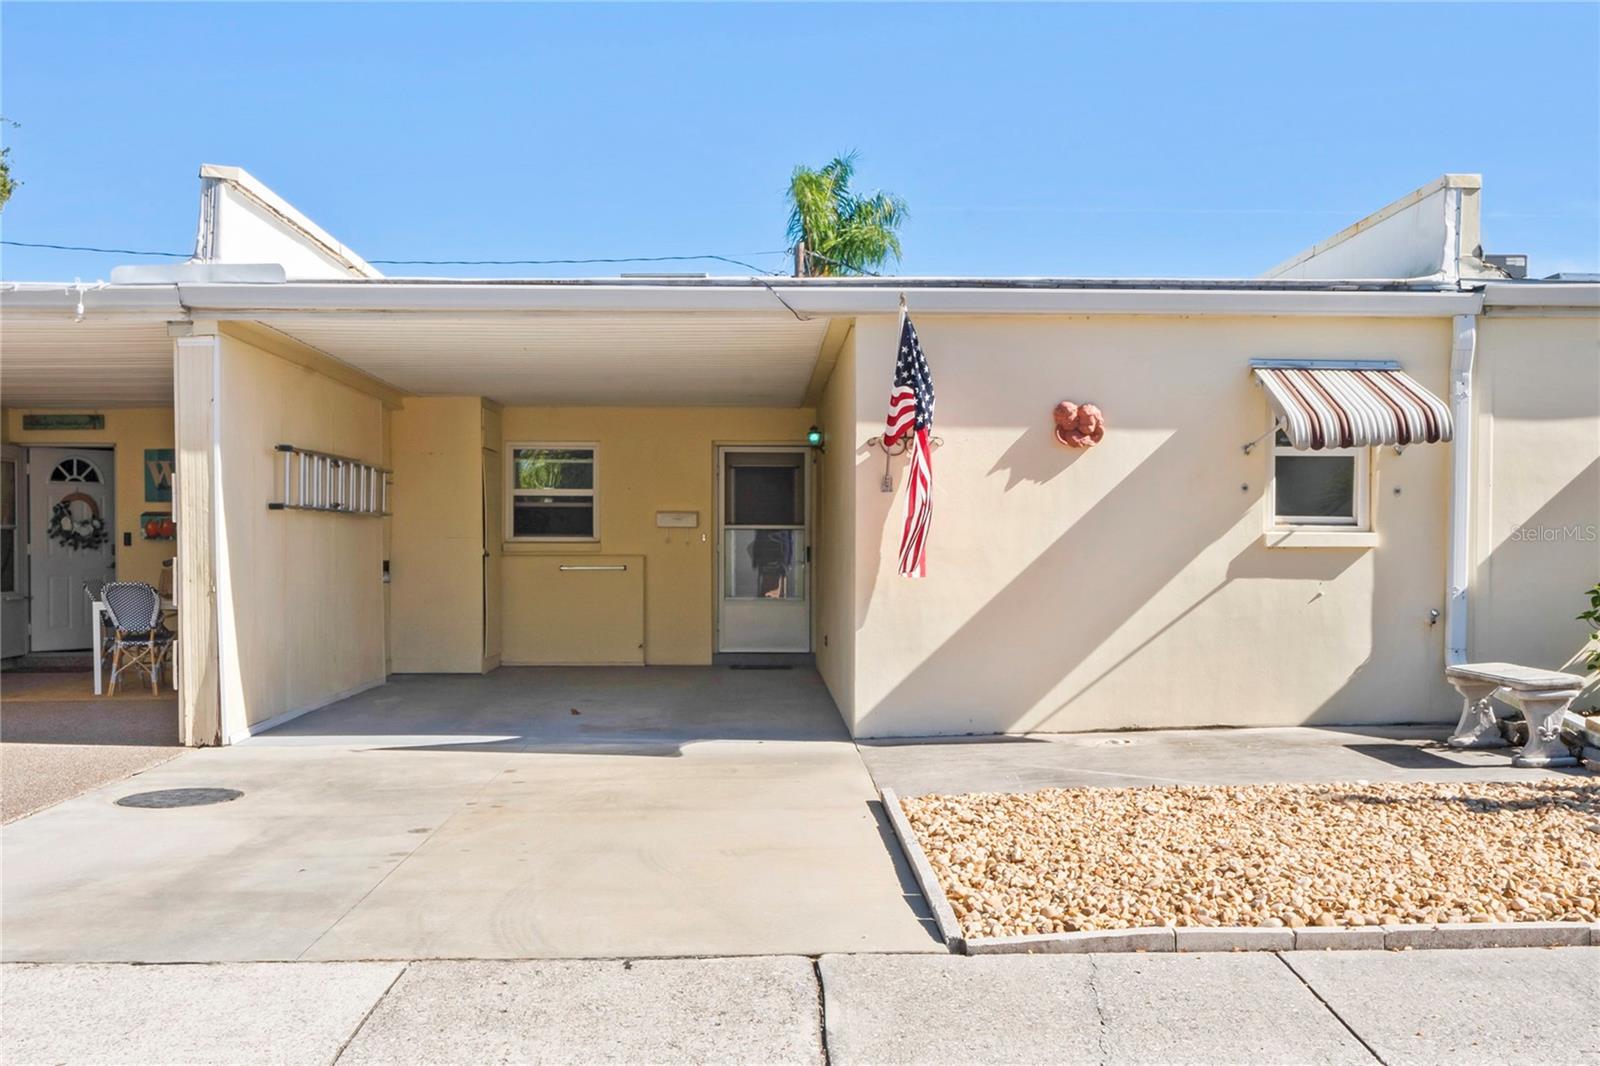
[56,362]
[614,359]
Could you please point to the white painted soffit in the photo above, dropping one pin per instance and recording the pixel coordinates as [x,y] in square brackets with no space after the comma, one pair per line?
[578,359]
[106,362]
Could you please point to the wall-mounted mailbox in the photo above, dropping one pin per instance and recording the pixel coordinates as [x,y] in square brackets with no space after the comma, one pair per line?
[678,519]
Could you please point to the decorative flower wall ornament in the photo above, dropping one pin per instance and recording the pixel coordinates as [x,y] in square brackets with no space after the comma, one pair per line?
[1079,425]
[67,528]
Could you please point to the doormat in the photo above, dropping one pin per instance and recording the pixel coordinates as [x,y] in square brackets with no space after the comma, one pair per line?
[49,663]
[761,666]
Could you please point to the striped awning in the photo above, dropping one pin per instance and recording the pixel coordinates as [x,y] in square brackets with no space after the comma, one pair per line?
[1351,404]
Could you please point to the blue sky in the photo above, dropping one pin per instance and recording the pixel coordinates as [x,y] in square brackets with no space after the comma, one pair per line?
[1073,140]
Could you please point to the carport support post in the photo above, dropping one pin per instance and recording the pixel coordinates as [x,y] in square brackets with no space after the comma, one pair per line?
[196,357]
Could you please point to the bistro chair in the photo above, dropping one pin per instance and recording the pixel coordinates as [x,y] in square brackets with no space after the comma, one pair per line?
[140,642]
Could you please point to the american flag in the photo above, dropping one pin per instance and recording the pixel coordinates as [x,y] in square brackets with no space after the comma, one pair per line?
[911,412]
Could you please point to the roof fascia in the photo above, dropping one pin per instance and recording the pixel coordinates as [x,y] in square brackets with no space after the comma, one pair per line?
[230,300]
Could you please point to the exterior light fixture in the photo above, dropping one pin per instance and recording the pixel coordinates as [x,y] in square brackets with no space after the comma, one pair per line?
[814,438]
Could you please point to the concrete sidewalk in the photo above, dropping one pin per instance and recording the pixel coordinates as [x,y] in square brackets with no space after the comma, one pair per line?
[918,766]
[1456,1007]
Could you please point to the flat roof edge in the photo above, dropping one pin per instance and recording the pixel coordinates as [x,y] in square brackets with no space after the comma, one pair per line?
[1573,294]
[267,301]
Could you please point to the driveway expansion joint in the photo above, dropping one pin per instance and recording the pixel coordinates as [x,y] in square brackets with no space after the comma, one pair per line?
[1283,958]
[337,1055]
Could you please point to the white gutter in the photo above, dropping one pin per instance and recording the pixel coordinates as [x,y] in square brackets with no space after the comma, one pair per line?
[143,301]
[225,299]
[1463,351]
[266,301]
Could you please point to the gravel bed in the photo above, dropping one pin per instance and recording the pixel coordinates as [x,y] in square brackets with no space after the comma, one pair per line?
[1275,856]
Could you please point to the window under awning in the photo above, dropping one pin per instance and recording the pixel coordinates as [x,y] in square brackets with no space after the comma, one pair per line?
[1351,404]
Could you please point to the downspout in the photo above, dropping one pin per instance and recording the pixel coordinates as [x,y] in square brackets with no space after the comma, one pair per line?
[1463,351]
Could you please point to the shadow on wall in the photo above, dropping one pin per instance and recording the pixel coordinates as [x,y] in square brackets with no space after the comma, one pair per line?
[1547,561]
[1026,461]
[1023,461]
[1048,619]
[1064,613]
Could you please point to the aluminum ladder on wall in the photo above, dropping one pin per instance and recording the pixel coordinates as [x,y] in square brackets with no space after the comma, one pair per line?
[336,484]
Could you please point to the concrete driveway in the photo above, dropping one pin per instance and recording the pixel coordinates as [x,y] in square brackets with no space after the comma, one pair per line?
[528,813]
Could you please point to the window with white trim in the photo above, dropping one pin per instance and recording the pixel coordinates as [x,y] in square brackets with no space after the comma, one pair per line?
[1322,489]
[554,491]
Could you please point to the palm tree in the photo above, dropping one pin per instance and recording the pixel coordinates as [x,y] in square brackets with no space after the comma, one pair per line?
[834,230]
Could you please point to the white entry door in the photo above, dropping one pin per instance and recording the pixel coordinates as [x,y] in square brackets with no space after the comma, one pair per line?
[13,556]
[79,480]
[764,573]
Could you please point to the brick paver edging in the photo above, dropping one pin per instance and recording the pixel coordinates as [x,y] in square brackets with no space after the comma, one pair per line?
[1227,937]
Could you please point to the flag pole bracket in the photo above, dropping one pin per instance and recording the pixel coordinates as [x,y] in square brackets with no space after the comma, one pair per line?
[899,446]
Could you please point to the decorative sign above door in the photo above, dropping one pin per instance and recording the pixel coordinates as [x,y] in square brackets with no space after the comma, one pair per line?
[63,421]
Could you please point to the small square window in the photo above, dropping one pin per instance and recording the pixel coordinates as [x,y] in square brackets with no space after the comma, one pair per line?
[1325,488]
[553,492]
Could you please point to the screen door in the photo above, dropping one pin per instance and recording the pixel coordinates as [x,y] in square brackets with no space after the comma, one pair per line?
[764,569]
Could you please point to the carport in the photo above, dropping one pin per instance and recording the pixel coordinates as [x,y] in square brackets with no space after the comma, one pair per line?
[669,400]
[87,428]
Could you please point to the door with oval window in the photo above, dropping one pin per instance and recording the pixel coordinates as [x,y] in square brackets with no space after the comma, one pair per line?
[764,573]
[71,542]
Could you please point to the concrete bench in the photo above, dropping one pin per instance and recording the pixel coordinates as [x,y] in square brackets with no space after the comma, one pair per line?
[1543,695]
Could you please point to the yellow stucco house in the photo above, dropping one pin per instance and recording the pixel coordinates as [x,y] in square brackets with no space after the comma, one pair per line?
[682,470]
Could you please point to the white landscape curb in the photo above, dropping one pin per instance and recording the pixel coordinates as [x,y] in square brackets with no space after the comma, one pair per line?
[943,915]
[1228,937]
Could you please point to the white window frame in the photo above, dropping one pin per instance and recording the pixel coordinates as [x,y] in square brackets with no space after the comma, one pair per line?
[1361,490]
[513,492]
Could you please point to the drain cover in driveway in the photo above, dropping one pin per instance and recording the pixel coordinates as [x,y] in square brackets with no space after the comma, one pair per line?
[180,797]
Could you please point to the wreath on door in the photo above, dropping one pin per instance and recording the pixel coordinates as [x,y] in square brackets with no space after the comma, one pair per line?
[77,534]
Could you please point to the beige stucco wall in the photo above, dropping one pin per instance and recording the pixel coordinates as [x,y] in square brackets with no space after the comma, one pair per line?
[300,595]
[1127,585]
[835,631]
[129,431]
[436,551]
[650,459]
[1536,529]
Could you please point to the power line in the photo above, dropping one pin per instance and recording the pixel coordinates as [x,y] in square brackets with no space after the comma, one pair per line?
[450,262]
[572,262]
[86,248]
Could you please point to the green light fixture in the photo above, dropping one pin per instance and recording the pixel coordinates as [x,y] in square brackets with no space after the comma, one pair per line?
[814,438]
